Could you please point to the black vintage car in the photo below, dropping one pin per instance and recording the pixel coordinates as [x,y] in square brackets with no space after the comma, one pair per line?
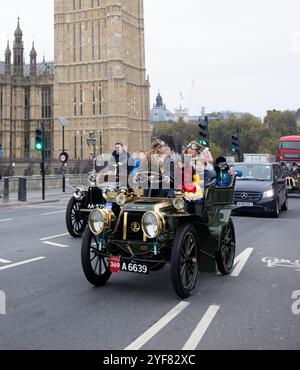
[138,234]
[83,201]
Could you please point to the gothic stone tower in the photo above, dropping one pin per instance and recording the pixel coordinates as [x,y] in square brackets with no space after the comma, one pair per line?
[100,81]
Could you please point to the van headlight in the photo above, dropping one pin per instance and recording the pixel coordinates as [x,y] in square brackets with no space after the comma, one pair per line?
[152,224]
[269,193]
[101,220]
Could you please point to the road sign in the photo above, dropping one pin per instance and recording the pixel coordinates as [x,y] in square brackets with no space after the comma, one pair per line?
[1,153]
[64,157]
[63,122]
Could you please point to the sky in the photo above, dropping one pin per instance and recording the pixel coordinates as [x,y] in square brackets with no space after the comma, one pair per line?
[242,56]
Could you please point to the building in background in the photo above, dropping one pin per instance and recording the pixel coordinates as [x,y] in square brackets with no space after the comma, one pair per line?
[26,99]
[159,112]
[100,79]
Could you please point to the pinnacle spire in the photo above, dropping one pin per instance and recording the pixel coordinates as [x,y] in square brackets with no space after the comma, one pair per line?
[18,31]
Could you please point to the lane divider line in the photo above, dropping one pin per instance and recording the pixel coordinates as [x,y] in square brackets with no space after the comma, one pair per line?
[53,237]
[197,335]
[6,220]
[56,245]
[151,332]
[52,213]
[21,263]
[241,261]
[4,261]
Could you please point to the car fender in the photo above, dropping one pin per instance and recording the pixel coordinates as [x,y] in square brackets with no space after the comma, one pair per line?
[218,221]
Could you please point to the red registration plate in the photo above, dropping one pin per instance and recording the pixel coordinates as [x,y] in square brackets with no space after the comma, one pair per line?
[115,264]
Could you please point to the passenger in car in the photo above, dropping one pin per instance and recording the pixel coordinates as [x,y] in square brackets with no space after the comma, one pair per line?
[224,173]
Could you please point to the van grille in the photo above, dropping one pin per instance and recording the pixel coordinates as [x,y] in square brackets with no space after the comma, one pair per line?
[247,196]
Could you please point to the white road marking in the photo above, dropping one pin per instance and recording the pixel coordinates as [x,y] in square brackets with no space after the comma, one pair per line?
[201,329]
[42,206]
[56,245]
[6,220]
[2,303]
[4,261]
[144,338]
[241,261]
[52,213]
[53,237]
[21,263]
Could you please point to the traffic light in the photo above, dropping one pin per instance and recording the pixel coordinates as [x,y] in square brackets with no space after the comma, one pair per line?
[203,125]
[235,149]
[39,139]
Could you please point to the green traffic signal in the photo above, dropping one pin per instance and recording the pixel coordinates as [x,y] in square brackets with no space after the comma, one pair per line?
[39,139]
[235,144]
[38,146]
[203,142]
[203,132]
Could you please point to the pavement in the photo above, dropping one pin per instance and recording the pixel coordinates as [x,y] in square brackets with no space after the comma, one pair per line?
[35,197]
[50,304]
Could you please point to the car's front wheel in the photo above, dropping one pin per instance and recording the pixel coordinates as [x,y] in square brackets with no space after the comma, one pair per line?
[276,212]
[96,267]
[184,261]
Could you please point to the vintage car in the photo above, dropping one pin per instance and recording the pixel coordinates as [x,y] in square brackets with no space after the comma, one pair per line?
[293,183]
[84,200]
[138,234]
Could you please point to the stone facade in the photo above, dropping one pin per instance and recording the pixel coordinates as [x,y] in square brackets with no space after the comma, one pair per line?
[100,81]
[26,99]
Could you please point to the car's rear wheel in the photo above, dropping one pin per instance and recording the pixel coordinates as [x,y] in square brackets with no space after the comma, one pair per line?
[184,261]
[76,221]
[96,267]
[226,255]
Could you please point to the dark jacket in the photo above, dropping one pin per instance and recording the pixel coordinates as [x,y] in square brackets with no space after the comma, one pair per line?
[125,159]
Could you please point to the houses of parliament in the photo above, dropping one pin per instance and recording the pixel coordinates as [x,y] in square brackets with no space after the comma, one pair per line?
[97,82]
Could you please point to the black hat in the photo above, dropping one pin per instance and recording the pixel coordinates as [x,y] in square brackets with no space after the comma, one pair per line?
[225,167]
[221,160]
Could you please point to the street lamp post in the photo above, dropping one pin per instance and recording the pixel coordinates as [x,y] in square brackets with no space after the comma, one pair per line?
[64,123]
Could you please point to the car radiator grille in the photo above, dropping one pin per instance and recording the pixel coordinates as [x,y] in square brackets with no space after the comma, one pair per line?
[132,218]
[247,196]
[95,196]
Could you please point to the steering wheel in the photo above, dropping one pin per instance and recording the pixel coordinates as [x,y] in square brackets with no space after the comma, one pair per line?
[152,177]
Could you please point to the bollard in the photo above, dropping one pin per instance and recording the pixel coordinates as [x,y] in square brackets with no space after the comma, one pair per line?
[22,195]
[6,190]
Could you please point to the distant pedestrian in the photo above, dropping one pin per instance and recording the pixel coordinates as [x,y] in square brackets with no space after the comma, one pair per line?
[120,162]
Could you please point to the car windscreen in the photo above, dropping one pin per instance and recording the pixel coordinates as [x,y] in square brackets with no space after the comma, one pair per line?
[254,172]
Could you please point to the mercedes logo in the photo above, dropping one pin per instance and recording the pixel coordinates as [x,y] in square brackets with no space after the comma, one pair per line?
[135,227]
[245,196]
